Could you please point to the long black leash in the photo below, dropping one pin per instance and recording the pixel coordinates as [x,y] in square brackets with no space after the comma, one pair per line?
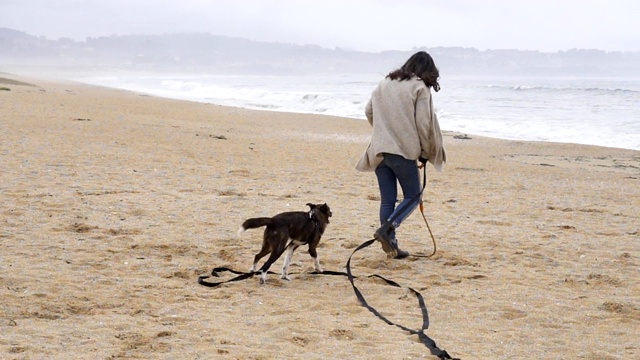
[202,280]
[424,338]
[241,275]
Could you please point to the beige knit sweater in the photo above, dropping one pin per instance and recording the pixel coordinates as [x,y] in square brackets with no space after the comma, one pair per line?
[404,123]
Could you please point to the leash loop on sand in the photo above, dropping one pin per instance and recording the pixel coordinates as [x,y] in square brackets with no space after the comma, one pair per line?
[214,272]
[424,338]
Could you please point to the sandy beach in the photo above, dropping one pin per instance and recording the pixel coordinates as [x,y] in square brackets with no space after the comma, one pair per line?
[113,203]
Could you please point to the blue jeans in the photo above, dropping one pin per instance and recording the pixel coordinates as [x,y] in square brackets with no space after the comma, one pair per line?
[396,169]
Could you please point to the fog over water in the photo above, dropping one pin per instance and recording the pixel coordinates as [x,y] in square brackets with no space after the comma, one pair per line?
[566,71]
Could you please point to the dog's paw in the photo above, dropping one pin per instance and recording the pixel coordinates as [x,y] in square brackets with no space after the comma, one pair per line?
[285,277]
[263,276]
[319,269]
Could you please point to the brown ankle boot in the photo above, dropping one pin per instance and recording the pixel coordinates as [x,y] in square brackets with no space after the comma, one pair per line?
[401,254]
[388,245]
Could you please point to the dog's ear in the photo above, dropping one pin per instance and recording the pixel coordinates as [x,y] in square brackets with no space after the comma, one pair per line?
[325,208]
[312,206]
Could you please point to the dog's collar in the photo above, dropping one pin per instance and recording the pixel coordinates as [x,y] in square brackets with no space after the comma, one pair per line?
[314,219]
[312,214]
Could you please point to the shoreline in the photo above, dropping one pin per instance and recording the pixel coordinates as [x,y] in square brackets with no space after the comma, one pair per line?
[115,202]
[59,77]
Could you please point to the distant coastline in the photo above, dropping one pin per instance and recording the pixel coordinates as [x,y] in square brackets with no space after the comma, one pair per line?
[196,53]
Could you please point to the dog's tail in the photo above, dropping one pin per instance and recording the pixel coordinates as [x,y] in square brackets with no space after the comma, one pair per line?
[254,223]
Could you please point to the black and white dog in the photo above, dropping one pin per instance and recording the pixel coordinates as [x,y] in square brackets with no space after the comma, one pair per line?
[303,228]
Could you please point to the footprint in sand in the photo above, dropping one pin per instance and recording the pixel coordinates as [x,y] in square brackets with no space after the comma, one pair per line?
[301,341]
[342,334]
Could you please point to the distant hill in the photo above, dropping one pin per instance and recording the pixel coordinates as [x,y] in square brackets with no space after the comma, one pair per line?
[221,54]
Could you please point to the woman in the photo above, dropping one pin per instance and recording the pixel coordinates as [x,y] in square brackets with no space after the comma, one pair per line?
[405,131]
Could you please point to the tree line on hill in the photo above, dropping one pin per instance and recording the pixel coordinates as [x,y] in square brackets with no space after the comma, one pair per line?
[198,53]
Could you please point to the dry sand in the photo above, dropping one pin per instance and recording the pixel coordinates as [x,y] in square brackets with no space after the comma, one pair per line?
[113,203]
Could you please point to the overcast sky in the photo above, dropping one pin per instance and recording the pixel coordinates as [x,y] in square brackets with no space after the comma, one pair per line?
[365,25]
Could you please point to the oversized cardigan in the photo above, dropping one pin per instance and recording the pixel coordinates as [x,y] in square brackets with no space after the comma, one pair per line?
[404,123]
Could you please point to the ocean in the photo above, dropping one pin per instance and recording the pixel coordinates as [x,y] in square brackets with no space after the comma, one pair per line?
[594,111]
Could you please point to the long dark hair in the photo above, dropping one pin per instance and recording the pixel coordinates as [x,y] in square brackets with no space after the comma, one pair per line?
[421,65]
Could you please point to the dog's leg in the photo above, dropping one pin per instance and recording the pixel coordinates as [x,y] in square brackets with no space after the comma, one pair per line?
[275,254]
[266,248]
[257,258]
[314,255]
[287,261]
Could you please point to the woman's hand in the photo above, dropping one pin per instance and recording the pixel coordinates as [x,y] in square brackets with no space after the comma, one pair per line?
[423,162]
